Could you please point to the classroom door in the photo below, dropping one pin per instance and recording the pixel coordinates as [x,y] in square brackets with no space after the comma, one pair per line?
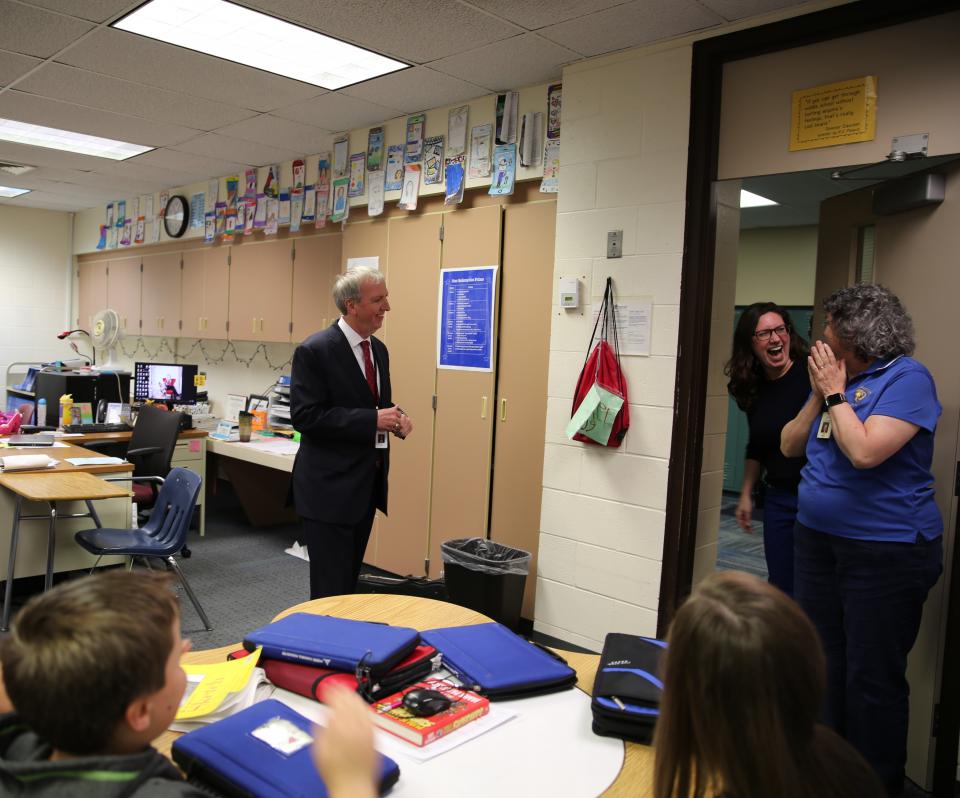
[914,256]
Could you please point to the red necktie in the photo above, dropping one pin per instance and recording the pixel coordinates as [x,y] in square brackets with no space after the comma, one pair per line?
[368,369]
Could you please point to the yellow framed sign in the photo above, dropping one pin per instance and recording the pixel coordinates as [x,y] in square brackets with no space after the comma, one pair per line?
[837,113]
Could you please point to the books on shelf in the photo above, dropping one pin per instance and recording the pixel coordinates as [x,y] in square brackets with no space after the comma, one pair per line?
[466,706]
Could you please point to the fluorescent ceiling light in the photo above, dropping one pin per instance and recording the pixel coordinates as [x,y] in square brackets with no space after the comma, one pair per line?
[55,139]
[750,200]
[5,191]
[238,34]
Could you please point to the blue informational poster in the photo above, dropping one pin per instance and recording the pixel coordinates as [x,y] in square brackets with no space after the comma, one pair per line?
[465,333]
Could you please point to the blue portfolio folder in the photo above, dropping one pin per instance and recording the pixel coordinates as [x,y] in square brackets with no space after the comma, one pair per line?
[228,757]
[336,643]
[494,661]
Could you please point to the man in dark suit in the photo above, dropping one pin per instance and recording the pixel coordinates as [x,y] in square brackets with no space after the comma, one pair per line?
[340,402]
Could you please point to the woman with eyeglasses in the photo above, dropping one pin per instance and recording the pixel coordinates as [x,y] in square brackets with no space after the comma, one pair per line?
[769,382]
[868,536]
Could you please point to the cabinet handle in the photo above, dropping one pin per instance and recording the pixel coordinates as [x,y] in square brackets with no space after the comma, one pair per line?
[253,327]
[199,322]
[261,325]
[483,407]
[161,322]
[124,322]
[503,409]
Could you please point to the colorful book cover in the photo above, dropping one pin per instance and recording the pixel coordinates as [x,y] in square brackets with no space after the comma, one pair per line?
[466,706]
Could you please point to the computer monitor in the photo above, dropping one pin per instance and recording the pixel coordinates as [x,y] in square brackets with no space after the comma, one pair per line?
[173,383]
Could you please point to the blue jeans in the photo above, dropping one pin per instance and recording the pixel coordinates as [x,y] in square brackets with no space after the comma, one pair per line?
[865,598]
[779,517]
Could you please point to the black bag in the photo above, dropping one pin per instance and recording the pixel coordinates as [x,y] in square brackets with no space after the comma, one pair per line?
[626,692]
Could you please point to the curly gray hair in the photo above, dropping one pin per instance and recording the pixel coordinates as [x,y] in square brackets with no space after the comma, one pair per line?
[872,320]
[347,285]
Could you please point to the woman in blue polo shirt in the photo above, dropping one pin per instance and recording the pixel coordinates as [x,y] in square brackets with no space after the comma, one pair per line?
[867,544]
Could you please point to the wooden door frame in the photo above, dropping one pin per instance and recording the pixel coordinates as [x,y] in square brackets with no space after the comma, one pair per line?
[697,272]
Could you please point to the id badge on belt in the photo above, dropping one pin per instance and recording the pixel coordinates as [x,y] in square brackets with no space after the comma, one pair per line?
[381,440]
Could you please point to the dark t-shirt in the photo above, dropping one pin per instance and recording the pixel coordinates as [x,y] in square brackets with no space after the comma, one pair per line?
[778,402]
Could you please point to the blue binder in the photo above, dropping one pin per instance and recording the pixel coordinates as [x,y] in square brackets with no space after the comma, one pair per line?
[226,756]
[369,649]
[499,664]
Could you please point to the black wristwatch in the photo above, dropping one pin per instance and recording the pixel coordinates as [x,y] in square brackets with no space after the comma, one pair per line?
[835,399]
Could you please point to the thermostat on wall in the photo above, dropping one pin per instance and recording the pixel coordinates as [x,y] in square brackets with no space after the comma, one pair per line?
[569,292]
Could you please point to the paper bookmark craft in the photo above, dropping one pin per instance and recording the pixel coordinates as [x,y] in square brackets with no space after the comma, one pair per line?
[298,173]
[341,206]
[554,98]
[260,214]
[141,229]
[454,181]
[296,210]
[507,110]
[209,227]
[411,187]
[340,153]
[394,168]
[457,131]
[309,203]
[271,186]
[273,213]
[551,168]
[433,160]
[414,141]
[283,216]
[375,149]
[250,180]
[375,183]
[504,169]
[357,169]
[480,138]
[209,200]
[127,225]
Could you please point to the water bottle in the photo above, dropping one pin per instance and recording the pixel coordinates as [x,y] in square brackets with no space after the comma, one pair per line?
[42,413]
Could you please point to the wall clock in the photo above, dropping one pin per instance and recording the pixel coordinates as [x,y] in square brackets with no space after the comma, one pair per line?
[176,216]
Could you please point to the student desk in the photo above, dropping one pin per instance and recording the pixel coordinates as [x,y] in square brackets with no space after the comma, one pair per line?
[261,478]
[636,775]
[190,452]
[34,495]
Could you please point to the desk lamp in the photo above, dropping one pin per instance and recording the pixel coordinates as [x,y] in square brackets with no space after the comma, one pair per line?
[73,345]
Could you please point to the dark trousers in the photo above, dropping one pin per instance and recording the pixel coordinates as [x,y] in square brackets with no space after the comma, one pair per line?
[336,554]
[865,598]
[779,517]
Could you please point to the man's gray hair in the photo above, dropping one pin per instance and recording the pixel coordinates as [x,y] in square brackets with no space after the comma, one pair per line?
[347,285]
[872,320]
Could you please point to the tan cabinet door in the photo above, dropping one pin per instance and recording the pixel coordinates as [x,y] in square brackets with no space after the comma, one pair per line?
[160,294]
[261,282]
[216,292]
[525,308]
[91,291]
[191,293]
[123,292]
[412,270]
[316,262]
[465,400]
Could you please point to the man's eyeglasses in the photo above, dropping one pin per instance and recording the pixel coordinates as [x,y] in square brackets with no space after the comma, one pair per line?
[764,335]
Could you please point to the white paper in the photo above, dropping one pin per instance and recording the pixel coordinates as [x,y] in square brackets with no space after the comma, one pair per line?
[480,139]
[411,187]
[457,131]
[82,461]
[210,199]
[340,157]
[371,261]
[375,192]
[510,120]
[634,319]
[234,404]
[24,462]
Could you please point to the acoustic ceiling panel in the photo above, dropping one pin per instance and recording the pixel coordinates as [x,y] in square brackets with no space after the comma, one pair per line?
[13,66]
[93,10]
[268,129]
[337,111]
[33,31]
[249,153]
[416,89]
[533,14]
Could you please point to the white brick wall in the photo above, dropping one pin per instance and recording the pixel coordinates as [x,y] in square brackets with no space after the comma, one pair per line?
[624,162]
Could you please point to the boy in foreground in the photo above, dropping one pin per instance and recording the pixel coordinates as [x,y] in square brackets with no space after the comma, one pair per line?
[91,676]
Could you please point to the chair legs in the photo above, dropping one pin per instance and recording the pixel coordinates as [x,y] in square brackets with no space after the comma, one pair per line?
[186,586]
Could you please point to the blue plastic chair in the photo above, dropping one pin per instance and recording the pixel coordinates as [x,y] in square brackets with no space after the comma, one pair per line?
[163,535]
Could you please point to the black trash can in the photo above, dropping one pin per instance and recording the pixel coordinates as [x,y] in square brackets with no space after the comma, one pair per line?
[487,577]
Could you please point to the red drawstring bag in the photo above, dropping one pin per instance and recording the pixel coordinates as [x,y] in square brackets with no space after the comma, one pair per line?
[602,367]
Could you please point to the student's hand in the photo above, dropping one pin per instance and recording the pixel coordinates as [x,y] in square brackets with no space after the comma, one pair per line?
[343,752]
[744,513]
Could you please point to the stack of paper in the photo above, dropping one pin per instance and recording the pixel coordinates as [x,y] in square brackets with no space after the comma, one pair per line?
[26,462]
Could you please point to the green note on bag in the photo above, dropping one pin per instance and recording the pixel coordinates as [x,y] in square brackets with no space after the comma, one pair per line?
[595,415]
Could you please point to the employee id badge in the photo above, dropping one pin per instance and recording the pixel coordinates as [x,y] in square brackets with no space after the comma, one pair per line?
[381,440]
[825,426]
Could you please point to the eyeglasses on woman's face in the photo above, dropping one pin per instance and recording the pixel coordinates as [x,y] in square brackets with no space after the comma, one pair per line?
[764,335]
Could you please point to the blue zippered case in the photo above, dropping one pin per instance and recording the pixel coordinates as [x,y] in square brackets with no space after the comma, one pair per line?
[493,661]
[627,688]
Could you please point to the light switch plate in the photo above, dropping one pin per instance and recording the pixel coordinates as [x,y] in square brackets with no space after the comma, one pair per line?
[615,244]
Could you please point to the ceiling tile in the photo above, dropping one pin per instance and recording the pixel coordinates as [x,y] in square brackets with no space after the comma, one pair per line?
[533,14]
[338,112]
[268,129]
[141,60]
[133,168]
[33,31]
[12,66]
[412,30]
[94,10]
[510,64]
[415,89]
[41,156]
[246,152]
[66,116]
[200,167]
[102,91]
[739,9]
[631,25]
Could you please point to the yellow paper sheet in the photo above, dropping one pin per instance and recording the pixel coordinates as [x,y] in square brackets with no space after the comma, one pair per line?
[218,681]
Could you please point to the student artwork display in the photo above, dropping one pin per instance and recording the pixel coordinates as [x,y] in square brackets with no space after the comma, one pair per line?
[531,138]
[127,227]
[140,229]
[323,190]
[375,191]
[273,216]
[414,141]
[154,219]
[433,160]
[221,217]
[229,224]
[309,203]
[394,168]
[454,178]
[554,97]
[457,131]
[249,215]
[209,201]
[271,186]
[341,207]
[411,187]
[507,109]
[283,216]
[197,204]
[340,158]
[375,149]
[551,168]
[102,243]
[480,139]
[296,210]
[357,168]
[504,169]
[232,183]
[298,173]
[209,227]
[260,214]
[250,185]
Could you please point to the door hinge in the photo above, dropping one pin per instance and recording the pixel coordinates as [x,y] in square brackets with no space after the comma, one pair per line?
[426,567]
[229,259]
[290,328]
[935,723]
[180,324]
[956,485]
[141,267]
[434,401]
[441,232]
[228,325]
